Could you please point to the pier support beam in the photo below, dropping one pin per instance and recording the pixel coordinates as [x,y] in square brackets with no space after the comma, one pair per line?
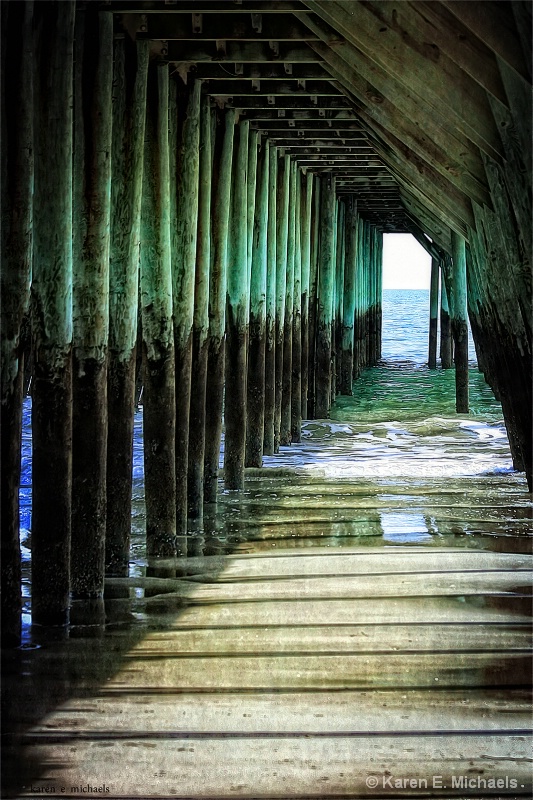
[258,287]
[282,230]
[348,307]
[270,323]
[157,333]
[52,313]
[237,318]
[16,259]
[313,298]
[184,222]
[285,430]
[459,325]
[326,279]
[129,116]
[220,209]
[196,453]
[296,382]
[339,295]
[91,239]
[446,360]
[433,314]
[306,206]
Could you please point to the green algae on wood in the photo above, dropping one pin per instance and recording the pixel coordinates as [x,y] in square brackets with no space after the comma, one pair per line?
[445,349]
[296,382]
[195,475]
[348,306]
[129,117]
[306,212]
[326,279]
[255,402]
[185,176]
[237,318]
[459,325]
[16,260]
[313,299]
[158,339]
[220,210]
[285,427]
[282,229]
[270,310]
[93,78]
[52,313]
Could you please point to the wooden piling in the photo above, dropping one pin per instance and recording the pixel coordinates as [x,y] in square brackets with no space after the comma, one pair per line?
[93,79]
[348,307]
[183,243]
[313,298]
[255,403]
[251,181]
[282,229]
[445,328]
[237,318]
[157,333]
[195,475]
[52,313]
[433,314]
[129,116]
[459,325]
[296,382]
[270,323]
[306,207]
[220,208]
[326,278]
[285,429]
[339,293]
[16,259]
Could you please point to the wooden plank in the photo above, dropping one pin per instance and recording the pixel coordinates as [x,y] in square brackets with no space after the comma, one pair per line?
[220,27]
[239,52]
[402,57]
[244,88]
[269,71]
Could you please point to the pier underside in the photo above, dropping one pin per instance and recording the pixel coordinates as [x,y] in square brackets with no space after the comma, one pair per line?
[194,198]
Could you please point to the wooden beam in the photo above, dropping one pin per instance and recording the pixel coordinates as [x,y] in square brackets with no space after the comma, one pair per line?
[231,27]
[261,71]
[494,24]
[303,103]
[374,29]
[235,52]
[207,7]
[244,88]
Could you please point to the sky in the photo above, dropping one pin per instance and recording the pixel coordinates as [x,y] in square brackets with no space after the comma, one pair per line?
[406,265]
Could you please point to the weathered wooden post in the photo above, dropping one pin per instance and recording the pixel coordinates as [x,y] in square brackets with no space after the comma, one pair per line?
[93,78]
[52,312]
[183,243]
[305,215]
[282,230]
[339,292]
[258,287]
[285,430]
[379,298]
[237,318]
[156,308]
[445,328]
[200,331]
[220,208]
[251,180]
[270,325]
[433,313]
[313,298]
[459,325]
[296,381]
[16,258]
[129,116]
[326,278]
[348,307]
[357,361]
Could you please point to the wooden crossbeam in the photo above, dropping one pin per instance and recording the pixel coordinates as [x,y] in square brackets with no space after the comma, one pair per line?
[207,7]
[231,27]
[303,103]
[242,52]
[244,88]
[270,71]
